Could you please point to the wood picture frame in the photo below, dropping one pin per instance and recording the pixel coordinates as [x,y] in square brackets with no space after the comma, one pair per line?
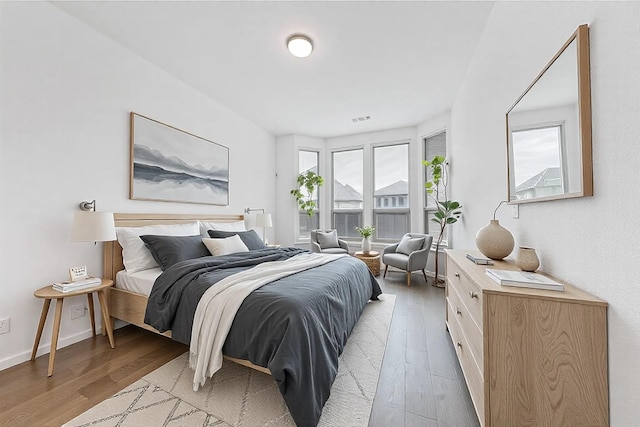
[171,165]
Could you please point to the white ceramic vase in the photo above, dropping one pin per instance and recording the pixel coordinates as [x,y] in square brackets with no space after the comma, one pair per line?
[527,259]
[494,241]
[366,244]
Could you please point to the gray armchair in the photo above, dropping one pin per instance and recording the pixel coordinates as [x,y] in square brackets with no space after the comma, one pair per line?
[326,241]
[409,254]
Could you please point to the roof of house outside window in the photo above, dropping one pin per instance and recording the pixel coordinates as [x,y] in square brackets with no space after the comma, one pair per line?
[549,177]
[399,188]
[345,193]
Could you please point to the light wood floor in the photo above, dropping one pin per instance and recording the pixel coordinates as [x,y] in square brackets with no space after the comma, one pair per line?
[420,383]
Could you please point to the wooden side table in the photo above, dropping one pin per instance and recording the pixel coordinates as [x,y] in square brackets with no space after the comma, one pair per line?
[372,259]
[48,293]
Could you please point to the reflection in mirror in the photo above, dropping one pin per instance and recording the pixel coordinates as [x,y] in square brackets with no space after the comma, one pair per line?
[549,129]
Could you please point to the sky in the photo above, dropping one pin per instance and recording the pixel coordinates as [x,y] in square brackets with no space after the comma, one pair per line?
[535,150]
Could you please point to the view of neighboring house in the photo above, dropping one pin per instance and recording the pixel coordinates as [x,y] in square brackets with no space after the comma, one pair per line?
[392,196]
[345,196]
[546,183]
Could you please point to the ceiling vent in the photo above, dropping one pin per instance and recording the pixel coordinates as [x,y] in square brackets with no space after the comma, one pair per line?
[361,119]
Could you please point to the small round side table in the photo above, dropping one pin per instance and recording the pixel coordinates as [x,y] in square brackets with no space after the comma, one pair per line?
[48,293]
[372,259]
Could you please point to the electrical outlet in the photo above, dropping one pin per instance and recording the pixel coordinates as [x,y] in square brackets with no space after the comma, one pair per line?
[5,325]
[77,311]
[515,211]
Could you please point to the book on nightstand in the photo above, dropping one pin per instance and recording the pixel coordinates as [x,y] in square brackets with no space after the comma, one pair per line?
[77,285]
[523,279]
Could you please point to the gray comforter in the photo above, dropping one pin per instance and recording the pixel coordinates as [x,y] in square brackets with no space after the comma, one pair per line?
[296,326]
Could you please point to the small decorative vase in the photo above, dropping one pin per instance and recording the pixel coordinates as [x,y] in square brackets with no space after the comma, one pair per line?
[494,241]
[366,245]
[526,259]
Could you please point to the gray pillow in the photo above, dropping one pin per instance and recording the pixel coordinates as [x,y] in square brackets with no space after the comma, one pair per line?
[328,239]
[250,238]
[169,250]
[410,244]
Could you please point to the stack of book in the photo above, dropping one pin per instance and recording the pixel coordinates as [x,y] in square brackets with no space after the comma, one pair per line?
[77,285]
[523,279]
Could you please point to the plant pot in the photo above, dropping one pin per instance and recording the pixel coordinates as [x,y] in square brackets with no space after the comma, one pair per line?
[366,245]
[494,241]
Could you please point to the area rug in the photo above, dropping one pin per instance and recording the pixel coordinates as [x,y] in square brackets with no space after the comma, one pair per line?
[240,396]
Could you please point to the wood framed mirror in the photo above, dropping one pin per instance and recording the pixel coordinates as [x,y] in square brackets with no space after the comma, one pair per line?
[549,129]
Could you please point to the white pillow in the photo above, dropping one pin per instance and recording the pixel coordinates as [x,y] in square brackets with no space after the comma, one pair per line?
[135,255]
[222,226]
[228,245]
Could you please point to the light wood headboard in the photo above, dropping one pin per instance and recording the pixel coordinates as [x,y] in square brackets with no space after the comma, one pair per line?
[113,251]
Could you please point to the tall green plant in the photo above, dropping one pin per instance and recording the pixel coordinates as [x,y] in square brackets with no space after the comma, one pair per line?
[310,182]
[448,210]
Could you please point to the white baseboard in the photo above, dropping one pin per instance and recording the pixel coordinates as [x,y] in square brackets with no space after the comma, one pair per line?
[44,349]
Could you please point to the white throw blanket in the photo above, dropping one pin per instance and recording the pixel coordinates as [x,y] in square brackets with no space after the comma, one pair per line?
[218,306]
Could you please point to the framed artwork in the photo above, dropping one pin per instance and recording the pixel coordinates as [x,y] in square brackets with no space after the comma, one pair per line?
[171,165]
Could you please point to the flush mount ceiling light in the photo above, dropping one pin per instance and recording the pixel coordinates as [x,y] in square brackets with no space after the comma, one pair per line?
[299,45]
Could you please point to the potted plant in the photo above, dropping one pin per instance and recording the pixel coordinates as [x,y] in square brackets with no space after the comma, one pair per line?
[310,182]
[366,232]
[447,210]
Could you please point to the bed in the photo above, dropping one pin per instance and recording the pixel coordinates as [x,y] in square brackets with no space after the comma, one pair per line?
[261,336]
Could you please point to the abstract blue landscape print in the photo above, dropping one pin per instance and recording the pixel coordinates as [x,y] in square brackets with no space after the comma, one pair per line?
[172,165]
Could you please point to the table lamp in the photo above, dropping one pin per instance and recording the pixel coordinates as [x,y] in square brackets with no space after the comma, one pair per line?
[90,226]
[264,220]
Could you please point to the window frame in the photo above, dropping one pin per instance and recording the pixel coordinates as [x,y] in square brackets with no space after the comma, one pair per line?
[299,236]
[406,212]
[429,210]
[562,149]
[333,181]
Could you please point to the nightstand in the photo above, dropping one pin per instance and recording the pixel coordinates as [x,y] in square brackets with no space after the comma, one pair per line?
[372,259]
[48,293]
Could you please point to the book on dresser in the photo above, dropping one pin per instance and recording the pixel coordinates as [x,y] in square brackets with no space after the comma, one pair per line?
[479,260]
[523,279]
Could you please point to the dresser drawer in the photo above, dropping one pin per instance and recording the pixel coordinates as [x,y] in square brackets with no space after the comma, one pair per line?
[469,292]
[472,375]
[471,330]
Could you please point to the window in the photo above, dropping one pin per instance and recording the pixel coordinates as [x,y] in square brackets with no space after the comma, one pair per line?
[347,191]
[391,191]
[538,162]
[435,145]
[308,160]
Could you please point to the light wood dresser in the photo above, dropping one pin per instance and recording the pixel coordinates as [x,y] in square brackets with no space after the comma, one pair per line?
[530,357]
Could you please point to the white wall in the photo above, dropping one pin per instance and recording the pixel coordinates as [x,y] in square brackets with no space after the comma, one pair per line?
[66,96]
[589,242]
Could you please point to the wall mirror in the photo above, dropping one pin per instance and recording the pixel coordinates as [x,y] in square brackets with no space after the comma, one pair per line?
[549,129]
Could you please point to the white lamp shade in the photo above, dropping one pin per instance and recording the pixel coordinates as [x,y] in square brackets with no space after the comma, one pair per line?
[263,220]
[91,226]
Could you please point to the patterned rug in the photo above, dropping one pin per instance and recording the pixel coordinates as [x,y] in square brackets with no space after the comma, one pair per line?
[240,396]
